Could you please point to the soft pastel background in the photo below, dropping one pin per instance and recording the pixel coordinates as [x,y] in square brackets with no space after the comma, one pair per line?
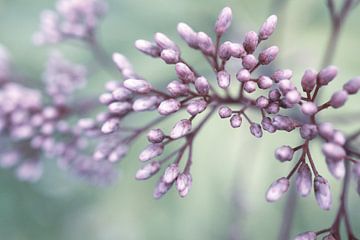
[231,169]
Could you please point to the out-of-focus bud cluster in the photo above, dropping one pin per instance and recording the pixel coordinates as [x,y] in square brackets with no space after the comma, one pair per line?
[71,19]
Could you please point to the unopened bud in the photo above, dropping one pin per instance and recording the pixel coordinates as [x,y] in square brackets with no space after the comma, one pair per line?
[243,75]
[225,112]
[111,125]
[205,43]
[151,151]
[262,102]
[249,61]
[188,34]
[184,73]
[336,168]
[223,79]
[250,86]
[171,173]
[224,21]
[147,48]
[196,106]
[169,106]
[267,125]
[148,170]
[137,85]
[333,151]
[326,75]
[303,180]
[309,108]
[155,135]
[164,42]
[181,128]
[284,153]
[176,88]
[265,82]
[277,189]
[120,107]
[146,103]
[308,80]
[308,131]
[255,130]
[170,56]
[268,55]
[281,74]
[235,121]
[338,99]
[202,85]
[268,27]
[251,42]
[322,193]
[352,86]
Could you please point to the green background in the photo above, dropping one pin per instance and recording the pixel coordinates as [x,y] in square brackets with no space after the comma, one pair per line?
[231,169]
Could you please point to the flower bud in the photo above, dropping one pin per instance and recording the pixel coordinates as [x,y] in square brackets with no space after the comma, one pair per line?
[284,123]
[274,95]
[286,86]
[147,48]
[280,74]
[164,42]
[110,125]
[121,94]
[338,99]
[205,43]
[106,98]
[184,73]
[308,80]
[267,125]
[333,151]
[120,107]
[176,88]
[352,86]
[268,27]
[151,151]
[336,167]
[161,188]
[277,189]
[169,106]
[249,62]
[181,128]
[306,236]
[188,34]
[250,86]
[251,42]
[243,75]
[148,170]
[255,130]
[326,131]
[196,106]
[265,82]
[293,97]
[146,103]
[121,62]
[284,153]
[262,102]
[326,75]
[118,154]
[223,79]
[308,131]
[237,50]
[268,55]
[309,108]
[183,184]
[303,180]
[235,121]
[225,112]
[339,138]
[137,85]
[155,135]
[224,21]
[225,51]
[322,193]
[202,86]
[170,56]
[171,173]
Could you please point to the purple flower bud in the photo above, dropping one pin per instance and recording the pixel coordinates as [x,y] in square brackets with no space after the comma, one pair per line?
[171,173]
[161,188]
[308,131]
[251,42]
[279,75]
[273,108]
[268,27]
[169,106]
[170,56]
[255,130]
[110,126]
[267,125]
[249,62]
[274,95]
[176,88]
[284,153]
[181,128]
[119,153]
[164,42]
[326,75]
[237,50]
[265,82]
[309,108]
[202,85]
[268,55]
[293,97]
[112,85]
[235,121]
[286,86]
[225,51]
[205,43]
[148,170]
[333,151]
[306,236]
[155,135]
[284,123]
[250,86]
[183,184]
[322,193]
[352,86]
[303,180]
[277,189]
[120,107]
[243,75]
[338,99]
[121,94]
[188,34]
[184,73]
[106,98]
[336,167]
[147,48]
[308,80]
[339,138]
[151,151]
[224,21]
[225,112]
[326,131]
[196,106]
[262,102]
[146,103]
[137,85]
[223,79]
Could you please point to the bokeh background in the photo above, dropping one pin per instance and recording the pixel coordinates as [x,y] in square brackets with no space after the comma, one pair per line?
[231,170]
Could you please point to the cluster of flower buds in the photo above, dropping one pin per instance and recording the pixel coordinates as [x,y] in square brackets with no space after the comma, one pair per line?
[72,19]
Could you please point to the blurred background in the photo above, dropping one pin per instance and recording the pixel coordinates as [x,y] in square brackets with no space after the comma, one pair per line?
[231,169]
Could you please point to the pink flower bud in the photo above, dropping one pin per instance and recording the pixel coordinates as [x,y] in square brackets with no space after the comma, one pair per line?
[184,73]
[251,42]
[338,99]
[224,21]
[137,85]
[181,128]
[322,193]
[262,102]
[309,108]
[308,131]
[121,94]
[146,103]
[161,188]
[223,79]
[352,86]
[170,56]
[148,170]
[336,168]
[155,135]
[243,75]
[326,75]
[202,86]
[326,131]
[274,95]
[225,51]
[277,189]
[306,236]
[333,151]
[284,153]
[225,112]
[303,180]
[205,43]
[106,98]
[265,82]
[147,48]
[171,173]
[268,27]
[268,55]
[286,86]
[255,130]
[183,184]
[196,106]
[111,125]
[120,107]
[237,50]
[164,42]
[308,80]
[250,86]
[249,62]
[279,75]
[176,88]
[293,97]
[169,106]
[235,121]
[151,151]
[188,35]
[339,138]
